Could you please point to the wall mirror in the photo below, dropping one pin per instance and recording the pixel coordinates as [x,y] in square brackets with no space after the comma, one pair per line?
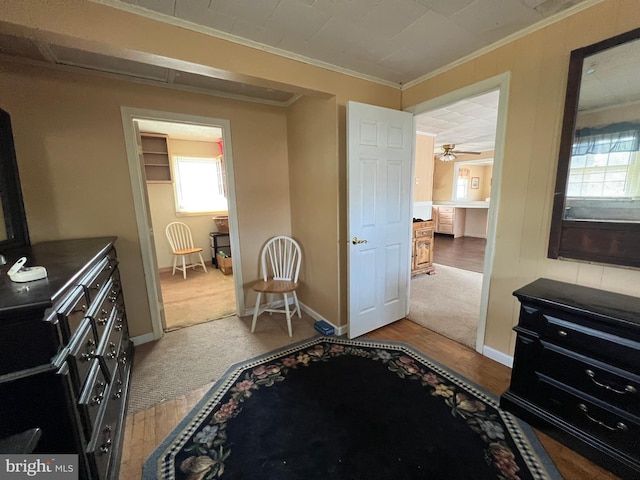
[14,232]
[472,181]
[596,209]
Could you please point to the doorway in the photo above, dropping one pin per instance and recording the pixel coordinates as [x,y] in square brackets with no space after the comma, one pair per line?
[151,234]
[477,144]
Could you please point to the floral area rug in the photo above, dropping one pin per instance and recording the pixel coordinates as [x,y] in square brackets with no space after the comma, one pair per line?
[348,409]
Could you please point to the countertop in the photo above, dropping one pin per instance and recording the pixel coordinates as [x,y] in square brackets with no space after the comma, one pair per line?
[463,204]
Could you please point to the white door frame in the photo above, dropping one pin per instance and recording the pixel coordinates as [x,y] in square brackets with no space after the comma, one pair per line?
[147,247]
[501,83]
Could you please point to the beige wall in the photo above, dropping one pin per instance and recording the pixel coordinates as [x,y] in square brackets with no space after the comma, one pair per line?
[423,174]
[92,105]
[68,127]
[163,207]
[314,184]
[73,165]
[538,64]
[443,177]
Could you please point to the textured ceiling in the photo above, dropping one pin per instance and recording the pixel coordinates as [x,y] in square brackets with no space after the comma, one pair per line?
[396,41]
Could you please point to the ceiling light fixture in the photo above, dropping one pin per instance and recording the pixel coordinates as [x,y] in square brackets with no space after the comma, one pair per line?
[447,154]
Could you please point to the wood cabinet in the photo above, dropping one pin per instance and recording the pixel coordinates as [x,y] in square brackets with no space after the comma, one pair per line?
[449,220]
[422,248]
[157,161]
[65,354]
[576,371]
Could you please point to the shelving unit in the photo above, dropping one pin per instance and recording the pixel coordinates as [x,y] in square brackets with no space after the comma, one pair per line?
[155,152]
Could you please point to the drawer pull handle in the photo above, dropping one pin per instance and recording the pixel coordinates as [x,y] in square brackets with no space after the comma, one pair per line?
[627,388]
[619,426]
[562,333]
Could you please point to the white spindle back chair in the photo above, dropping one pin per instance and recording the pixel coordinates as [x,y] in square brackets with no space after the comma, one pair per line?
[181,241]
[280,262]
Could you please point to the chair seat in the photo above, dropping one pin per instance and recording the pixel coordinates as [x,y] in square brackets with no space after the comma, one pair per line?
[187,251]
[275,286]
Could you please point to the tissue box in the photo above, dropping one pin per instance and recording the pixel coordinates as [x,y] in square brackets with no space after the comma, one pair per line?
[323,327]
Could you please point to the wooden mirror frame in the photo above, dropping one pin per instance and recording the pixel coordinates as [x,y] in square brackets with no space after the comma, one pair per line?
[15,220]
[616,243]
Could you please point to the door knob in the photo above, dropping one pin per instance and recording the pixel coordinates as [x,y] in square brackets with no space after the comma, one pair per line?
[356,241]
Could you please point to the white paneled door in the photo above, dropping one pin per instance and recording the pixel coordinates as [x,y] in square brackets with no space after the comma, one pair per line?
[379,170]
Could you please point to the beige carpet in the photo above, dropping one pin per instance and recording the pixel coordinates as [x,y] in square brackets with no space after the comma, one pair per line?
[189,358]
[448,303]
[199,298]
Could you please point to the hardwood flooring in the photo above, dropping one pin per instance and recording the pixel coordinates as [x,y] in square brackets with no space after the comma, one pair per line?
[145,430]
[198,298]
[466,253]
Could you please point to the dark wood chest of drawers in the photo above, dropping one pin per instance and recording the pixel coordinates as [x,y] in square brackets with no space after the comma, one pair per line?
[576,371]
[65,353]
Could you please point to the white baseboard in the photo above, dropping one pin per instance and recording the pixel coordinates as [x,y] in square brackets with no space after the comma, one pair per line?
[317,317]
[498,356]
[140,339]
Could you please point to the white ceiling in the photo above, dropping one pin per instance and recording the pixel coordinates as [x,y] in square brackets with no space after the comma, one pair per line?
[469,124]
[396,41]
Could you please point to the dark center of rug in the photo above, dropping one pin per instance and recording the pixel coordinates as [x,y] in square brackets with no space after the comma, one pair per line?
[334,411]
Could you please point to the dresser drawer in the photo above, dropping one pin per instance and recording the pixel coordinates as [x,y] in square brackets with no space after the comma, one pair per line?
[579,336]
[445,217]
[445,210]
[423,233]
[614,386]
[445,228]
[105,437]
[101,308]
[93,395]
[82,353]
[109,348]
[97,278]
[72,312]
[615,427]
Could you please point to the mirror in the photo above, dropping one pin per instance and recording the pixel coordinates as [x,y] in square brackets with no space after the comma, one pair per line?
[472,180]
[596,210]
[15,232]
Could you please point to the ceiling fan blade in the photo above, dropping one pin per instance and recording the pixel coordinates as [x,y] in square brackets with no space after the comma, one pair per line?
[459,152]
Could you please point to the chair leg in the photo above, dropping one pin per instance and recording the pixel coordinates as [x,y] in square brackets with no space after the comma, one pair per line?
[202,263]
[184,267]
[287,313]
[295,299]
[175,261]
[256,312]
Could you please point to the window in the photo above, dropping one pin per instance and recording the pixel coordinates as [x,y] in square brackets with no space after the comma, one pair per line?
[199,185]
[604,175]
[461,188]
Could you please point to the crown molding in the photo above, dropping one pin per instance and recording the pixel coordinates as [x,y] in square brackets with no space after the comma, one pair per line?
[178,22]
[500,43]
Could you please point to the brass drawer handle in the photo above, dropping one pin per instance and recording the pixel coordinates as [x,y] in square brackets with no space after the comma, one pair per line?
[619,426]
[627,389]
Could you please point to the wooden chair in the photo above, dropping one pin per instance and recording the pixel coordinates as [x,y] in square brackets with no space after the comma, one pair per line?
[280,265]
[179,235]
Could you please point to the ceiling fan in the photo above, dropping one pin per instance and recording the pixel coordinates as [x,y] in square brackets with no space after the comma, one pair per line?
[449,152]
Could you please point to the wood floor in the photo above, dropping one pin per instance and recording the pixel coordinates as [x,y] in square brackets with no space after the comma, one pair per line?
[466,253]
[144,430]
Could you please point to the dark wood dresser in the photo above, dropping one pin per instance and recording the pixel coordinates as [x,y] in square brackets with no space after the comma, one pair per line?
[576,371]
[65,353]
